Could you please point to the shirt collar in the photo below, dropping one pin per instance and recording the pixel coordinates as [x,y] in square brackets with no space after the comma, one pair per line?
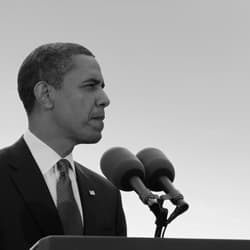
[44,155]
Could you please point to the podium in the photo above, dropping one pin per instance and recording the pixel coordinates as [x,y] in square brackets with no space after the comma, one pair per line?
[123,243]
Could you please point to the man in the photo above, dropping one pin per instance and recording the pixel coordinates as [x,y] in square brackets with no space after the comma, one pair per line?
[43,191]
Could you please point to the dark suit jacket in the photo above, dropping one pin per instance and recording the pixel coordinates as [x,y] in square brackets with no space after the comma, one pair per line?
[28,213]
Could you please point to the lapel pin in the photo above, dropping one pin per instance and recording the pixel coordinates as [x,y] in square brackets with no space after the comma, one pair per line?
[92,192]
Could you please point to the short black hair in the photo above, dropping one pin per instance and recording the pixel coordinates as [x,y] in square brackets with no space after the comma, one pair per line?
[48,62]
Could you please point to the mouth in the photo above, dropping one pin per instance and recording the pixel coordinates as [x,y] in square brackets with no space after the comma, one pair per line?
[98,118]
[97,122]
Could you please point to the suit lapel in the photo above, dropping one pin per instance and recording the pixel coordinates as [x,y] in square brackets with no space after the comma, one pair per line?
[88,200]
[31,185]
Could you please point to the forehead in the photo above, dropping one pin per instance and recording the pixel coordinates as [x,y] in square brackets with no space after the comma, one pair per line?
[87,66]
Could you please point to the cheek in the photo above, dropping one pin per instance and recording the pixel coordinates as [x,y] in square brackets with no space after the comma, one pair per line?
[75,107]
[65,110]
[82,105]
[79,110]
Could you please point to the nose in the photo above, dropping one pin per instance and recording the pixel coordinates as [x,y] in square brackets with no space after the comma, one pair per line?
[103,99]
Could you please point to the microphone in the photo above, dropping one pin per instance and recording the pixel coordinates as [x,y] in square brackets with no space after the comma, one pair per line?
[127,173]
[159,175]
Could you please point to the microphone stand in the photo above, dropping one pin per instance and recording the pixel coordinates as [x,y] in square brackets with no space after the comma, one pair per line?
[161,217]
[155,204]
[161,213]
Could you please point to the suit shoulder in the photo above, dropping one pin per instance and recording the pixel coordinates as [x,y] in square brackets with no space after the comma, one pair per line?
[5,159]
[4,153]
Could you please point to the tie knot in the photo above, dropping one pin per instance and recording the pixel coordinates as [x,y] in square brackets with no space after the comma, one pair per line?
[63,167]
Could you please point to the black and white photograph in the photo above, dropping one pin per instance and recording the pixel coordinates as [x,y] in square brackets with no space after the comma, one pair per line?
[125,123]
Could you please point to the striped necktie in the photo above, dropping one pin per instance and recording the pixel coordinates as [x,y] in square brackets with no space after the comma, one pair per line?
[66,203]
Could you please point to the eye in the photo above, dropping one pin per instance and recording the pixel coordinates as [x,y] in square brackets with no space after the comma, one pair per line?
[91,85]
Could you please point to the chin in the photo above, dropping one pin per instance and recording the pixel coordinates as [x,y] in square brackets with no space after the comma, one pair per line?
[90,139]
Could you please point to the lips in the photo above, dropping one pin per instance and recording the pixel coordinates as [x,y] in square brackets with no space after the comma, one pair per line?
[96,120]
[97,123]
[98,116]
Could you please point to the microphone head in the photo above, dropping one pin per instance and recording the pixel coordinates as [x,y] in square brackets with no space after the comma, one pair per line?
[156,165]
[119,165]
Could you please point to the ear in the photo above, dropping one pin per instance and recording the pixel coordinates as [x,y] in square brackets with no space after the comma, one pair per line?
[44,94]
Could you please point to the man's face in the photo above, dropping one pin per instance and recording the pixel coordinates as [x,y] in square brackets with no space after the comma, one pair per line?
[79,103]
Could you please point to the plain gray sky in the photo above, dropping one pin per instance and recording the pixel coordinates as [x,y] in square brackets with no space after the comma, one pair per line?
[177,74]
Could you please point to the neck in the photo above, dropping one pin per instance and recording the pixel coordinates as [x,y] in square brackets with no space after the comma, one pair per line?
[49,135]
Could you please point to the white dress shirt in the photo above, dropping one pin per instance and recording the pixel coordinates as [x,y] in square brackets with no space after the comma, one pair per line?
[46,159]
